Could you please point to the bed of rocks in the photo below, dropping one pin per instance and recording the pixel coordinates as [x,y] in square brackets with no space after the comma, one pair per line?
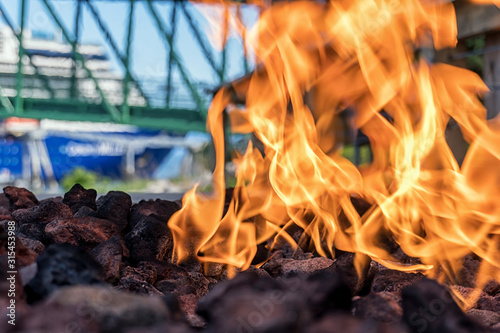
[103,265]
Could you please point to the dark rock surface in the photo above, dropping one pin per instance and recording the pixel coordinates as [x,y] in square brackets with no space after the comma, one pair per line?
[54,318]
[150,239]
[114,311]
[288,267]
[20,198]
[32,244]
[392,281]
[100,283]
[85,231]
[44,213]
[110,255]
[35,231]
[382,307]
[429,308]
[62,265]
[115,206]
[78,197]
[160,209]
[252,302]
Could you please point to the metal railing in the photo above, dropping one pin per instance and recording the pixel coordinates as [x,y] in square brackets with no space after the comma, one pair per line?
[176,103]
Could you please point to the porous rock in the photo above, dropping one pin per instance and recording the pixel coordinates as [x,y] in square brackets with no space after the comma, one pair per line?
[248,302]
[392,280]
[110,255]
[487,318]
[287,267]
[143,272]
[44,318]
[62,265]
[382,307]
[159,209]
[44,213]
[150,239]
[344,323]
[138,286]
[20,198]
[85,231]
[34,231]
[32,244]
[115,206]
[114,311]
[78,197]
[428,307]
[24,256]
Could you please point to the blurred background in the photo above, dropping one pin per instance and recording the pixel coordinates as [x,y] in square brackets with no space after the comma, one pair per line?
[113,94]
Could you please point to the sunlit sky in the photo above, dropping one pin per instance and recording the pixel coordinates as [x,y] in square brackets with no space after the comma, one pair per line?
[149,54]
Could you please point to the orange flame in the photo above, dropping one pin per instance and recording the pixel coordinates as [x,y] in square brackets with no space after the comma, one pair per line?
[317,60]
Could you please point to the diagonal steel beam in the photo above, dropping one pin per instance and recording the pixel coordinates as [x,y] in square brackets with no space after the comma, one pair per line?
[169,41]
[169,69]
[113,111]
[20,79]
[39,75]
[201,42]
[128,75]
[6,103]
[114,47]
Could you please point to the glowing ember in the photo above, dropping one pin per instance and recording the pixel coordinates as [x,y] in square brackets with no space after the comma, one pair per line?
[317,60]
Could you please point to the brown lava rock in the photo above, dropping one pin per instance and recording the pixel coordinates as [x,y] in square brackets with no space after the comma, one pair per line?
[62,265]
[294,291]
[4,207]
[344,323]
[44,213]
[261,304]
[150,239]
[32,244]
[54,318]
[392,281]
[288,267]
[143,272]
[382,307]
[35,231]
[20,198]
[24,256]
[160,209]
[110,255]
[114,311]
[428,307]
[78,197]
[85,231]
[115,206]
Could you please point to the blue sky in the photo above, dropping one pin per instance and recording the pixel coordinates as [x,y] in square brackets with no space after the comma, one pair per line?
[149,54]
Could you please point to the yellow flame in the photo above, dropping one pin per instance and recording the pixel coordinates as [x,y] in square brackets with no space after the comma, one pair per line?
[315,61]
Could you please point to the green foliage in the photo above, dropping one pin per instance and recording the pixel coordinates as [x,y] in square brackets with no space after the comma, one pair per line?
[364,152]
[84,177]
[475,61]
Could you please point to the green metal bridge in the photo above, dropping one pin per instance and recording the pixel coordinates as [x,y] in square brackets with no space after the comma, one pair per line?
[30,89]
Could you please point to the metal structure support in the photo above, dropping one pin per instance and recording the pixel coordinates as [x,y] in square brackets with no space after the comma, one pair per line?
[110,108]
[40,76]
[133,104]
[225,31]
[169,41]
[19,88]
[74,79]
[126,90]
[173,22]
[109,38]
[201,42]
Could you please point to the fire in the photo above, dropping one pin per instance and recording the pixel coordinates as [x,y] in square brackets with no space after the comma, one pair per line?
[315,60]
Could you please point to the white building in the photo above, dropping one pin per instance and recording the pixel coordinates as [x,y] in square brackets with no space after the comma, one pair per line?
[54,59]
